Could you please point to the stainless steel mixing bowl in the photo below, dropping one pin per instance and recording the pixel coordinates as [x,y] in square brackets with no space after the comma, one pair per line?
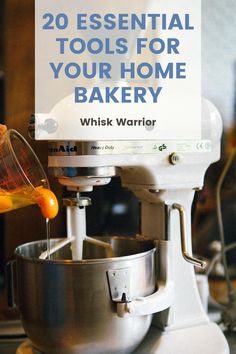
[66,306]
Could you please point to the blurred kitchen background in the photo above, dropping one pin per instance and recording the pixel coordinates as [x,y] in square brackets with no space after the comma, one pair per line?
[115,211]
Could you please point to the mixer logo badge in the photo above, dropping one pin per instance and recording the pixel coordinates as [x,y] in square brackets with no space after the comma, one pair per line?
[162,147]
[63,148]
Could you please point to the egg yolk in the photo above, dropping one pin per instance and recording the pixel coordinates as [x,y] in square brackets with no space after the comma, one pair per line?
[5,203]
[47,202]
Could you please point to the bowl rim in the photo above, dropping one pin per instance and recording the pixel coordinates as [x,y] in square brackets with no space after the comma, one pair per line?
[70,262]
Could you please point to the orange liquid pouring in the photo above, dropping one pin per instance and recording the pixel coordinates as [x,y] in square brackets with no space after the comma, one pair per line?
[47,202]
[44,197]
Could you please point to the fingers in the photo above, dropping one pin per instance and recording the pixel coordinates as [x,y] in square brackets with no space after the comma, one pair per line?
[3,129]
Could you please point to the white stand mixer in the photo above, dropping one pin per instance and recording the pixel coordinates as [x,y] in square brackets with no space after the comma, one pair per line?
[165,183]
[164,176]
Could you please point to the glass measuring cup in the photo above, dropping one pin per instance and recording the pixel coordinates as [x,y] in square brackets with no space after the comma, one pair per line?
[21,173]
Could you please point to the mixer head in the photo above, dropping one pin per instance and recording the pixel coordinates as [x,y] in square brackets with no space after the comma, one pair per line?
[152,164]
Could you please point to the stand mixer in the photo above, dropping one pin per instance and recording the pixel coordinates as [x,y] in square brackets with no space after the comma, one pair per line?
[111,303]
[164,180]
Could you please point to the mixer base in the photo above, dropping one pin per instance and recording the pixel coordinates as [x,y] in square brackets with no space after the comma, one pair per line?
[204,339]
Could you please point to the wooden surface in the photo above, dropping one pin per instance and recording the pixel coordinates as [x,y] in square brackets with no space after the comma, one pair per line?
[26,224]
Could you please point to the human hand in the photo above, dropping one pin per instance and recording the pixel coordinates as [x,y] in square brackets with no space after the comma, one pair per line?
[3,129]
